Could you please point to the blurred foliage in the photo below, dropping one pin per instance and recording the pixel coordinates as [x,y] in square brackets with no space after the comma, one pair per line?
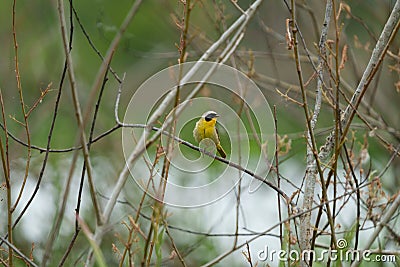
[149,45]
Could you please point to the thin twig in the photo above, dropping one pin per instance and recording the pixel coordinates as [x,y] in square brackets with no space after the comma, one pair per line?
[24,114]
[16,250]
[78,112]
[277,175]
[242,105]
[39,100]
[109,55]
[394,154]
[60,215]
[47,150]
[247,254]
[173,244]
[385,219]
[63,203]
[5,159]
[85,33]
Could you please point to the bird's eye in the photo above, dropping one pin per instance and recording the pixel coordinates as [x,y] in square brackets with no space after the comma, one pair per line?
[210,116]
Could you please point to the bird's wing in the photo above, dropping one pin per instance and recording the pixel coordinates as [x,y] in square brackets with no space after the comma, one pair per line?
[216,130]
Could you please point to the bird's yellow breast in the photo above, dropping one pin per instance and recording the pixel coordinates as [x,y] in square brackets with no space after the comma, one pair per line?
[205,129]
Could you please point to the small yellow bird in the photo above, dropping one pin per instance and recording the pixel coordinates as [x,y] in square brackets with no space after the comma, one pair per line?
[205,128]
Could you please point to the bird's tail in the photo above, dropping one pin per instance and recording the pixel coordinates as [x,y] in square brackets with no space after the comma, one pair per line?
[221,151]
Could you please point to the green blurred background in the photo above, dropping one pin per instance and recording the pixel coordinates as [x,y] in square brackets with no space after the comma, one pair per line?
[148,46]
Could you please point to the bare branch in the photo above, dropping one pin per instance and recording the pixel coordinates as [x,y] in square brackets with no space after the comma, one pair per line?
[75,100]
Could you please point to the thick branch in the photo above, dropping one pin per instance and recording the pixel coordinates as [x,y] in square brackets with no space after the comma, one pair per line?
[311,171]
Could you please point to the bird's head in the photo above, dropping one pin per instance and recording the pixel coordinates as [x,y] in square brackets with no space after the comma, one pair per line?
[210,117]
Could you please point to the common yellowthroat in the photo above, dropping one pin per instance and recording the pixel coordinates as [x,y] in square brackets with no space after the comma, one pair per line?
[205,128]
